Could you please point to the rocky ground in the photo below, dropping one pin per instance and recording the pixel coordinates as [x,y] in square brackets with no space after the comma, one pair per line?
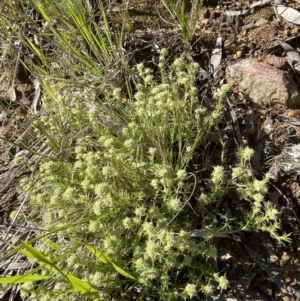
[243,43]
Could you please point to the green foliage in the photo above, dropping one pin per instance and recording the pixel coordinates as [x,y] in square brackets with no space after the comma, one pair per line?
[185,15]
[127,159]
[129,156]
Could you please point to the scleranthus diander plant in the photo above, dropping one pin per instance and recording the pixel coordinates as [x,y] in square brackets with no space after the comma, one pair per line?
[122,166]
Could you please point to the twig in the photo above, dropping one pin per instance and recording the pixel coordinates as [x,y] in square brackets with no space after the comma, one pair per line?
[195,183]
[235,124]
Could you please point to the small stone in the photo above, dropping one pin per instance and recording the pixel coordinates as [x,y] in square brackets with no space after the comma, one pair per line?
[263,84]
[290,130]
[256,54]
[289,160]
[291,113]
[274,60]
[294,31]
[238,54]
[217,13]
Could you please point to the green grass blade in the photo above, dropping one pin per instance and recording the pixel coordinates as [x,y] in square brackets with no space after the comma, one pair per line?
[106,260]
[79,285]
[22,279]
[49,233]
[44,14]
[42,258]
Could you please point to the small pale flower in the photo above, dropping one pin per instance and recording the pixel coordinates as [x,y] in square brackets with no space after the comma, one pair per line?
[106,170]
[148,71]
[139,264]
[190,290]
[147,227]
[207,289]
[194,67]
[140,68]
[125,131]
[151,249]
[159,103]
[97,278]
[217,175]
[155,90]
[70,260]
[140,211]
[100,188]
[260,186]
[148,80]
[78,164]
[163,52]
[139,96]
[93,226]
[245,153]
[271,212]
[116,93]
[129,143]
[127,223]
[182,80]
[155,183]
[173,204]
[181,174]
[237,173]
[162,172]
[258,197]
[69,193]
[141,112]
[97,207]
[85,184]
[108,142]
[179,63]
[223,282]
[188,149]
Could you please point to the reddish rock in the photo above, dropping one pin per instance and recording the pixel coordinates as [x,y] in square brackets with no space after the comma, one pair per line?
[263,83]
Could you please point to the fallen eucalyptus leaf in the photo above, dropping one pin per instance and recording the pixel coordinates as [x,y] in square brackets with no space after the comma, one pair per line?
[234,13]
[36,97]
[216,55]
[259,3]
[293,56]
[288,13]
[243,284]
[292,121]
[269,246]
[272,273]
